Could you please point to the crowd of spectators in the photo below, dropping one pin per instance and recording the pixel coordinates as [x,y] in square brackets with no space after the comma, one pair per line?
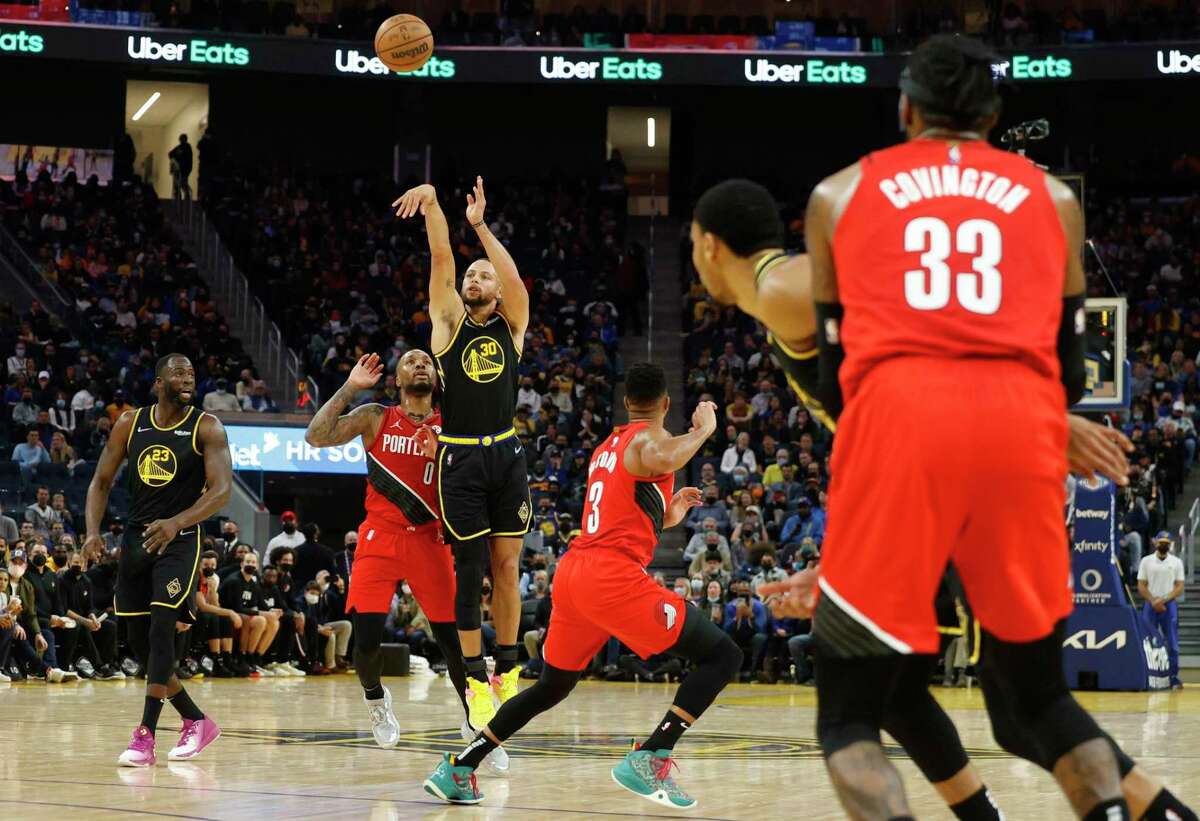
[519,23]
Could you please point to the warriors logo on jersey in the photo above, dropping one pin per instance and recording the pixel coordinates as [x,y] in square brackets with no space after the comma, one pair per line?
[156,466]
[483,359]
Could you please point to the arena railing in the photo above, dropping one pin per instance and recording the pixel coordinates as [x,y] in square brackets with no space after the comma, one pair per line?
[53,298]
[277,363]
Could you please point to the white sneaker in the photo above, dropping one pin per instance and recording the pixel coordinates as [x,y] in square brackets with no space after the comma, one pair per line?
[276,669]
[263,671]
[295,671]
[54,675]
[69,675]
[384,726]
[4,679]
[497,759]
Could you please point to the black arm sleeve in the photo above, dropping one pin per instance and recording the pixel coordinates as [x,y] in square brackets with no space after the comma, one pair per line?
[829,343]
[1072,337]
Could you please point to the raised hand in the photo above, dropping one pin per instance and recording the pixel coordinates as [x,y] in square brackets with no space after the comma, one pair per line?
[705,417]
[1097,449]
[366,372]
[476,202]
[414,200]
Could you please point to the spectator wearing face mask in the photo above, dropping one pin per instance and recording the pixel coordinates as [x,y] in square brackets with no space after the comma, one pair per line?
[406,622]
[712,545]
[311,557]
[45,588]
[538,562]
[103,576]
[215,624]
[712,507]
[699,544]
[231,565]
[277,656]
[768,572]
[805,523]
[115,535]
[712,603]
[290,535]
[25,412]
[62,415]
[220,399]
[714,570]
[240,592]
[746,621]
[95,635]
[30,642]
[343,563]
[230,536]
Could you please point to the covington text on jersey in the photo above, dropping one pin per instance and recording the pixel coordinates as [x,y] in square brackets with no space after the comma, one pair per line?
[909,187]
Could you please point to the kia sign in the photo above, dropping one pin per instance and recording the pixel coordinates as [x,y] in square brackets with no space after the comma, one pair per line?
[205,52]
[283,449]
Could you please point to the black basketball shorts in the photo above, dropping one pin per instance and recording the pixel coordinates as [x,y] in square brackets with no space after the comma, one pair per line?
[164,579]
[484,490]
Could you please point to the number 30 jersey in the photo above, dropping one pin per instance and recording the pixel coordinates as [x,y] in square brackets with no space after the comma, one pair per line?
[623,512]
[949,250]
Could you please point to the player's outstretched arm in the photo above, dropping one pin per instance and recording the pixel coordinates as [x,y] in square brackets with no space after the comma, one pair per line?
[514,304]
[102,480]
[684,500]
[445,304]
[218,483]
[329,427]
[654,455]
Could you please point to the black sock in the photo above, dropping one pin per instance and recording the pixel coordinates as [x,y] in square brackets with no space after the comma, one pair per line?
[1104,811]
[150,713]
[476,667]
[506,658]
[474,753]
[978,807]
[374,693]
[1164,801]
[667,733]
[184,705]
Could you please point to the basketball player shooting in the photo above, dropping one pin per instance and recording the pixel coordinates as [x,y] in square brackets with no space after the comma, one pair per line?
[482,481]
[738,250]
[601,589]
[180,475]
[401,537]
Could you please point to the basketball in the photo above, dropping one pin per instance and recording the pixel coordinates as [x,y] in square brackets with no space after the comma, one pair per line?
[403,42]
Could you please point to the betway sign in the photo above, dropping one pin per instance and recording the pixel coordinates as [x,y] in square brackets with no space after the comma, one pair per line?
[192,51]
[811,72]
[352,61]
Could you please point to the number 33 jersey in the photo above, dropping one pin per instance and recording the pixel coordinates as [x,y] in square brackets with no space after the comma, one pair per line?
[949,250]
[623,512]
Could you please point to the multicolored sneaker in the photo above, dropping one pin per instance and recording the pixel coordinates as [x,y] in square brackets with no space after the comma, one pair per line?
[648,773]
[455,785]
[505,684]
[196,735]
[496,761]
[140,752]
[479,703]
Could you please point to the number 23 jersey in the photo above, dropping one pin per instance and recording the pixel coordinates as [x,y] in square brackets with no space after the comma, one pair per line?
[623,512]
[950,250]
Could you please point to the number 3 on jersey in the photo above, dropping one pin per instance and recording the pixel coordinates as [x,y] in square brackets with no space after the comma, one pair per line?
[928,288]
[594,494]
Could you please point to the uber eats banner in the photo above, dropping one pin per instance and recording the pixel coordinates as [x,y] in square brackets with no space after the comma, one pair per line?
[216,51]
[1108,646]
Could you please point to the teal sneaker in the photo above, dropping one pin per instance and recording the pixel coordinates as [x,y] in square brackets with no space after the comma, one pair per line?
[648,774]
[453,784]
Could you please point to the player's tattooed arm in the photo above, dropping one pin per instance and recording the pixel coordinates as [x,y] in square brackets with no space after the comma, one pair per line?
[514,303]
[102,480]
[329,427]
[445,304]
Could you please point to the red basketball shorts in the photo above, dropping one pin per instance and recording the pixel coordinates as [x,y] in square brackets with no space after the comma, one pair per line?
[940,460]
[386,554]
[600,593]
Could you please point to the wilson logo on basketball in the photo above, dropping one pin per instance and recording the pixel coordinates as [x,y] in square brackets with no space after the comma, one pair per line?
[352,61]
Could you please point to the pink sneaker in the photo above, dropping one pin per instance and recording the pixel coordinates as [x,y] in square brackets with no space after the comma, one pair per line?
[195,737]
[141,749]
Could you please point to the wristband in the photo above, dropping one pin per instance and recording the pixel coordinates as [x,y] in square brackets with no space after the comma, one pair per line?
[477,224]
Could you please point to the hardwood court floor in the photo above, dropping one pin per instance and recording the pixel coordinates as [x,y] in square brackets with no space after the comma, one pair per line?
[298,748]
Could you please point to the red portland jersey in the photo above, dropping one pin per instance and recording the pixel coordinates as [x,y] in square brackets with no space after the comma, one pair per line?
[952,250]
[623,512]
[401,487]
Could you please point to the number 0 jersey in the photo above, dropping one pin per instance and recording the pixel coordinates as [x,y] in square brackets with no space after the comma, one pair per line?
[949,250]
[401,491]
[165,465]
[623,512]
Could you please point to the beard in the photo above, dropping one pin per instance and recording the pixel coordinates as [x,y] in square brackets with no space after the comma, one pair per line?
[478,301]
[418,389]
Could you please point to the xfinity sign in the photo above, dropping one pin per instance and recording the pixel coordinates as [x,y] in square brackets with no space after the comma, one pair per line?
[21,42]
[811,72]
[1173,62]
[607,68]
[192,51]
[352,61]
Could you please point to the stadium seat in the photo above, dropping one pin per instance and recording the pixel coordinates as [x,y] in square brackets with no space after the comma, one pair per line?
[729,24]
[674,24]
[703,24]
[281,15]
[256,16]
[395,659]
[757,25]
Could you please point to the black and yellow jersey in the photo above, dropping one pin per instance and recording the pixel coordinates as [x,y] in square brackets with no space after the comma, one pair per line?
[165,465]
[800,367]
[478,372]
